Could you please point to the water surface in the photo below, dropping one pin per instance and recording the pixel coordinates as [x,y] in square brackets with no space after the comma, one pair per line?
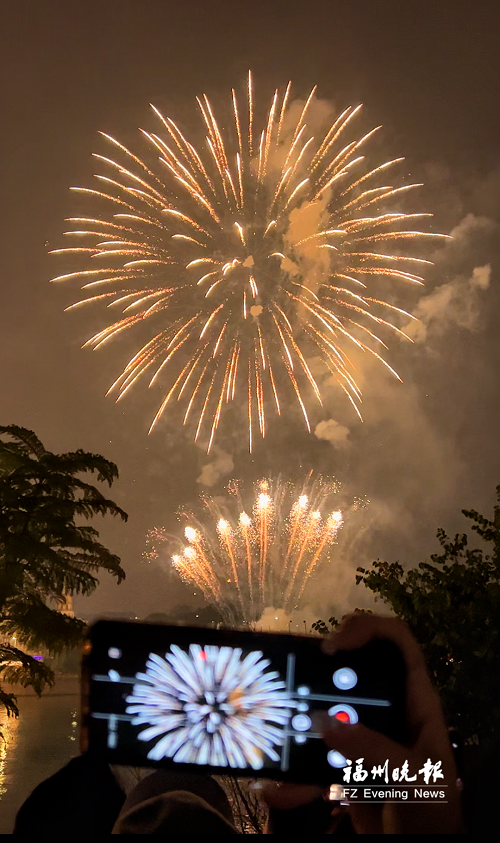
[37,744]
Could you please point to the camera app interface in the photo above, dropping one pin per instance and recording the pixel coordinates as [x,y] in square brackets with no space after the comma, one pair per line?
[229,706]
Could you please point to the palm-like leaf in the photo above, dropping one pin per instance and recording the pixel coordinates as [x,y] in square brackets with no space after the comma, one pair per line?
[44,553]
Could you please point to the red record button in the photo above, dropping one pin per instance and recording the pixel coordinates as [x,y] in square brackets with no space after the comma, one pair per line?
[344,713]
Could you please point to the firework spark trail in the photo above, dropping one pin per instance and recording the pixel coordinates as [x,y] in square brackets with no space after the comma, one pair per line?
[198,248]
[245,563]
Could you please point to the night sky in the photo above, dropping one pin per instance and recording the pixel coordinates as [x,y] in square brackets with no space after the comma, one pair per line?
[429,72]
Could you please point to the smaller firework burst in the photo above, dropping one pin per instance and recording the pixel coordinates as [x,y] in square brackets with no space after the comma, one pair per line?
[211,706]
[245,559]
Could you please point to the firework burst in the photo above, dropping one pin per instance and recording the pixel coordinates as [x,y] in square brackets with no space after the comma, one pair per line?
[211,706]
[244,561]
[244,260]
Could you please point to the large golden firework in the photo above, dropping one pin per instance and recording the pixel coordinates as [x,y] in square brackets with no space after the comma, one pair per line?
[247,259]
[244,561]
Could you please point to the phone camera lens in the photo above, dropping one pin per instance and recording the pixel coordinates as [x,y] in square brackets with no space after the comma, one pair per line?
[344,678]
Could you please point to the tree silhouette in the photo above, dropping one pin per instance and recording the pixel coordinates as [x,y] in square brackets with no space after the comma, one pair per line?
[46,550]
[452,606]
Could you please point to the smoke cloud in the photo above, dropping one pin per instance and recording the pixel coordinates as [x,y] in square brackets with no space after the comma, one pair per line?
[333,432]
[457,303]
[220,466]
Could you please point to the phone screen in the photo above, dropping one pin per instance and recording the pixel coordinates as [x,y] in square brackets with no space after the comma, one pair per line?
[223,700]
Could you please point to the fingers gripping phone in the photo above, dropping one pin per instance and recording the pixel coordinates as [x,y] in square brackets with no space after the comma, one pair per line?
[226,701]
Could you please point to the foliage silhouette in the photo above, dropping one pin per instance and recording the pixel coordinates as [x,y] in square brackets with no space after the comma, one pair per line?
[46,553]
[452,606]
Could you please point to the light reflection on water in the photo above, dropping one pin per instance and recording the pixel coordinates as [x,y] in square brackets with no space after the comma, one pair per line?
[8,741]
[37,744]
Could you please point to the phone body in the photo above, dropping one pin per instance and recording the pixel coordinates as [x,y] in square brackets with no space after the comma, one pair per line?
[232,702]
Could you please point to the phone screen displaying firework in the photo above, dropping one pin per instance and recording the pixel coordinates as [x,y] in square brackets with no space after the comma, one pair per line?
[242,702]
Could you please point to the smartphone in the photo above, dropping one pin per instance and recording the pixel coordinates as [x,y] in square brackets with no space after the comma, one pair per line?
[230,702]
